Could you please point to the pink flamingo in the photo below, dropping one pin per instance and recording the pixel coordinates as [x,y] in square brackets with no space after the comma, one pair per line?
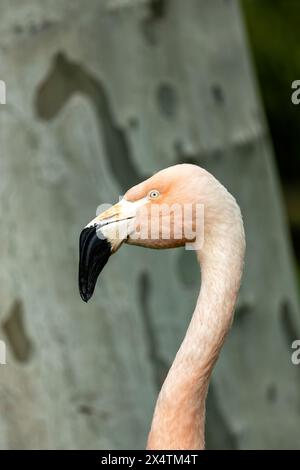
[179,416]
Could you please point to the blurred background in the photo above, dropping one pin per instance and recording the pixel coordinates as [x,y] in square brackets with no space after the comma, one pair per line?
[100,95]
[274,42]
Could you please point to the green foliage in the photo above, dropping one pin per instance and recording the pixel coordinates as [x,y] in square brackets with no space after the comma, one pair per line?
[275,40]
[274,34]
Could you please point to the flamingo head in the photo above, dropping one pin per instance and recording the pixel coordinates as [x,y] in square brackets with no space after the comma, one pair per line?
[164,211]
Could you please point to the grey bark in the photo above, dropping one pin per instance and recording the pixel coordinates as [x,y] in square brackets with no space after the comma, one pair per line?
[99,96]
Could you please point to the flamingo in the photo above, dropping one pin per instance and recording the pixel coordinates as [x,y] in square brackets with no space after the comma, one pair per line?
[179,415]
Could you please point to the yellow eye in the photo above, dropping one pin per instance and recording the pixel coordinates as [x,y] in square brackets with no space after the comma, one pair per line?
[154,194]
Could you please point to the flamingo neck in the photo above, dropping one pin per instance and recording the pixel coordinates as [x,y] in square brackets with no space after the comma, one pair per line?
[179,417]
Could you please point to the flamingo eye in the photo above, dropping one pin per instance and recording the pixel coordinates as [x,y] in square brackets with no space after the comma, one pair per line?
[154,194]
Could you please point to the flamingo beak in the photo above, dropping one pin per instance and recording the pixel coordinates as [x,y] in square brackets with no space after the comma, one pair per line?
[99,240]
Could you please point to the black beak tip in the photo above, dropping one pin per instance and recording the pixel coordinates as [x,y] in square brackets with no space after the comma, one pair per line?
[83,291]
[94,252]
[86,290]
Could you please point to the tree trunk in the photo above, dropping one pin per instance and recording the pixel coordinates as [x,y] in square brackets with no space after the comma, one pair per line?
[98,98]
